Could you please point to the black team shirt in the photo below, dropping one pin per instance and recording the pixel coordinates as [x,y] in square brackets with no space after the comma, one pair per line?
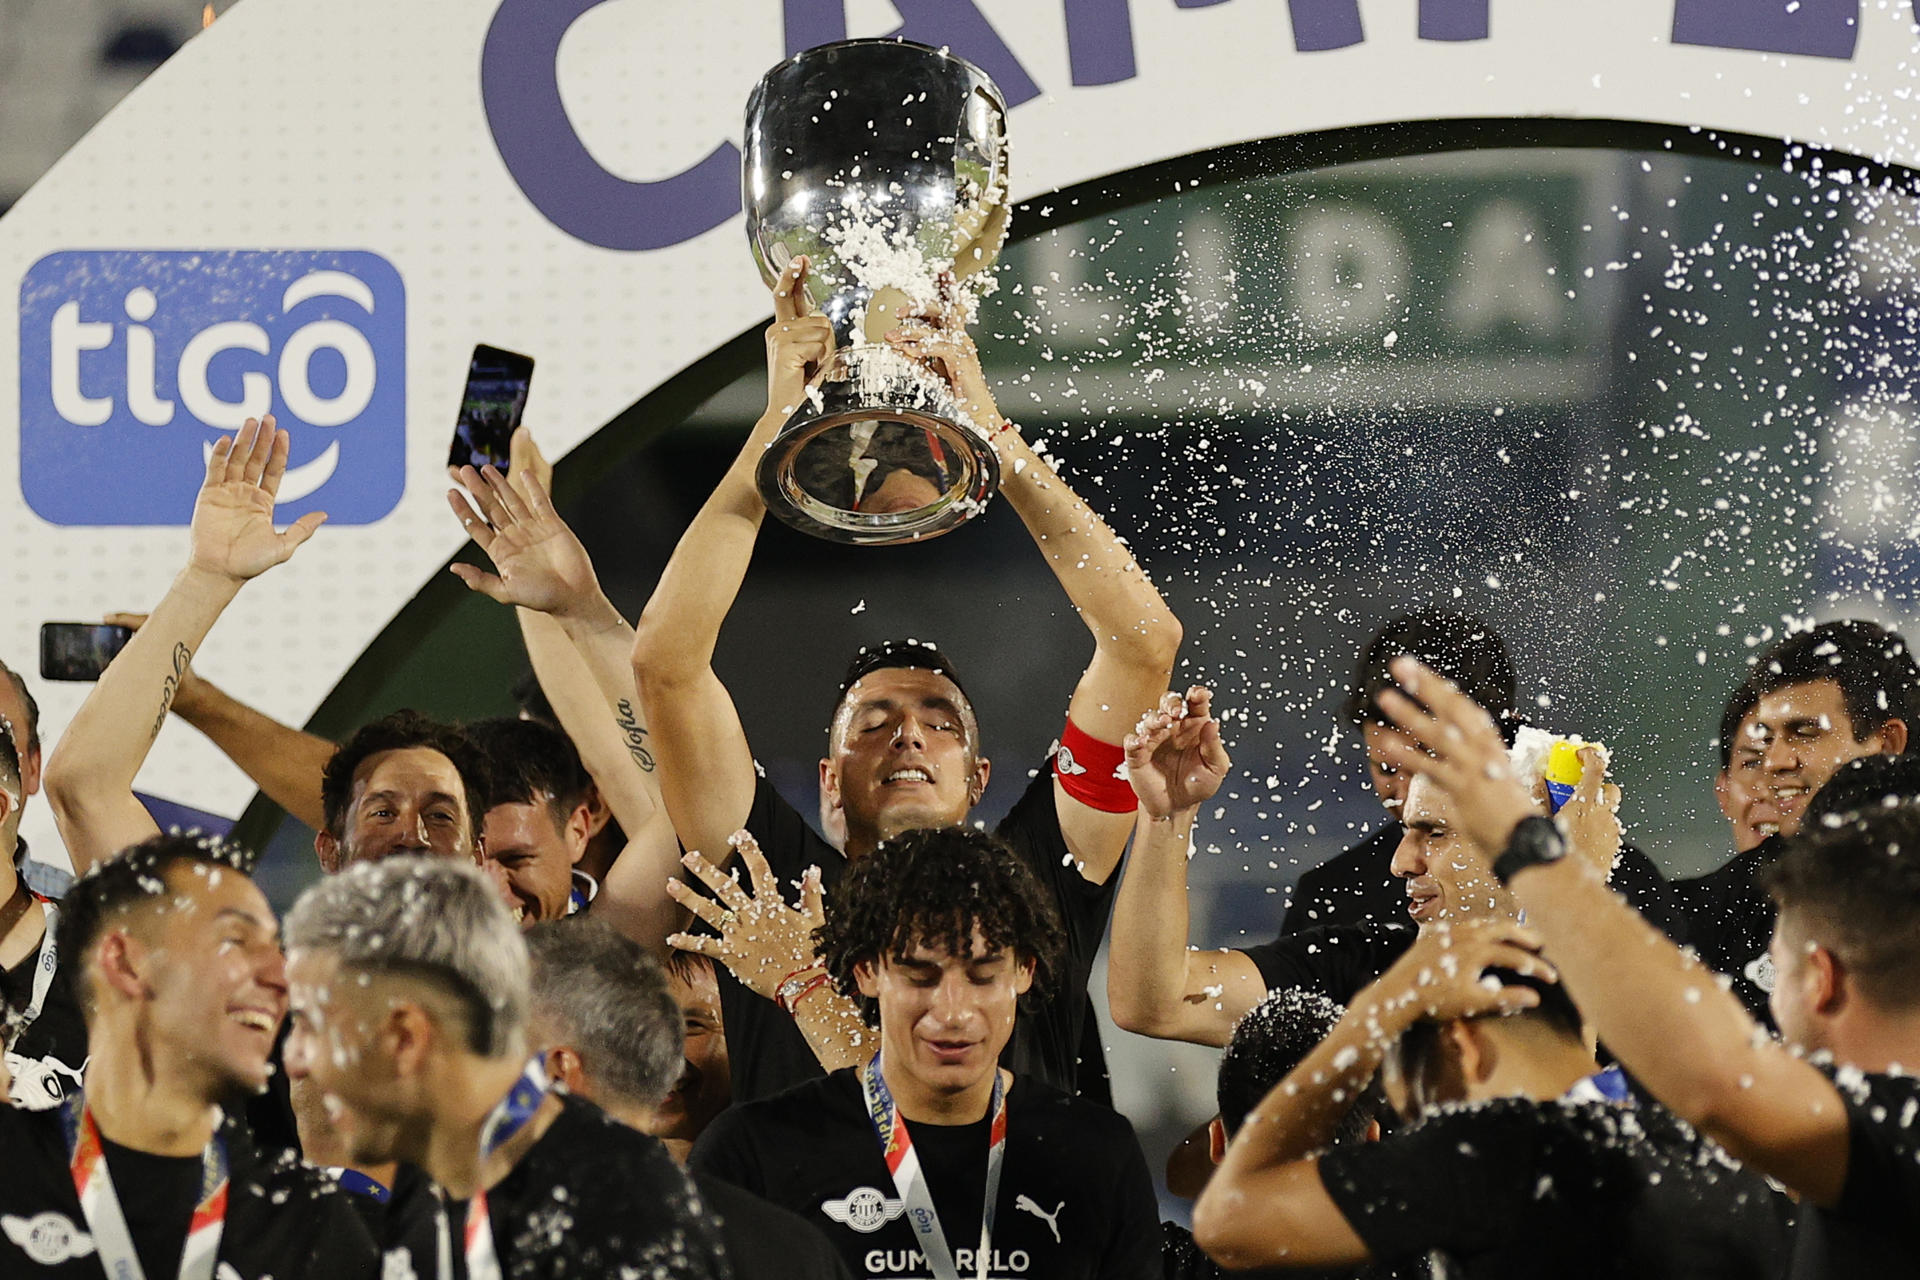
[1731,922]
[283,1219]
[1567,1190]
[1875,1228]
[1076,1201]
[49,1056]
[594,1198]
[1053,1043]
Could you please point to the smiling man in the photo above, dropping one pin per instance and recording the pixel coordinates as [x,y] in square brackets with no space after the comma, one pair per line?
[177,958]
[539,817]
[930,1157]
[409,985]
[1813,702]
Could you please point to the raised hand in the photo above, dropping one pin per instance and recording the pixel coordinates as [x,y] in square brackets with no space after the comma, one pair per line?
[539,564]
[937,337]
[233,534]
[762,938]
[799,341]
[1464,755]
[1592,816]
[1175,759]
[1442,976]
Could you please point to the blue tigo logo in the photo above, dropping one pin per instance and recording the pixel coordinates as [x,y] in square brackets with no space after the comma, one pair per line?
[132,364]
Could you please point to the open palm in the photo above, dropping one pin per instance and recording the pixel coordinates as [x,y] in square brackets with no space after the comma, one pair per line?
[233,531]
[1175,759]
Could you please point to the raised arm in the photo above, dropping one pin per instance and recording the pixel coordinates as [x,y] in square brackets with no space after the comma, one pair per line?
[284,762]
[1660,1011]
[576,639]
[1266,1203]
[705,765]
[90,775]
[1156,985]
[1135,636]
[579,644]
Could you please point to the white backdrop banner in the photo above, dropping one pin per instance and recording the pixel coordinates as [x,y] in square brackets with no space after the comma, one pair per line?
[320,206]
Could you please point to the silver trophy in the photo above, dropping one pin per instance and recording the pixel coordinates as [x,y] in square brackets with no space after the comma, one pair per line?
[885,163]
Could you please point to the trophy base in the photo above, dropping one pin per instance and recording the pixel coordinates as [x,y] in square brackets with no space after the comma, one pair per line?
[880,454]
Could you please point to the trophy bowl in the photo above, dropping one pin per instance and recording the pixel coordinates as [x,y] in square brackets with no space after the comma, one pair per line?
[885,163]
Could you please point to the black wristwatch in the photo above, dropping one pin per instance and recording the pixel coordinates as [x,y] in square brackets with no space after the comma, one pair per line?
[1535,840]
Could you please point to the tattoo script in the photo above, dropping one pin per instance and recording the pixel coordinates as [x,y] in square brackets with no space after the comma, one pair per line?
[636,734]
[181,657]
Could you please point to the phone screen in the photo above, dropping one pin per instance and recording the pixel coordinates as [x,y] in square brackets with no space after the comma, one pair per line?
[496,396]
[79,650]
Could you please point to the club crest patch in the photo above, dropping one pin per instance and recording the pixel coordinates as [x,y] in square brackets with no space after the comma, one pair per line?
[47,1238]
[864,1210]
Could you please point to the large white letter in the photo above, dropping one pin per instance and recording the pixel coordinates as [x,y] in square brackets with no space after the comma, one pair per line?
[1504,275]
[296,388]
[70,336]
[256,391]
[1349,269]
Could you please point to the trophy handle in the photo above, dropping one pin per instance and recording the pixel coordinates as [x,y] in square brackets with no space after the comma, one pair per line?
[979,250]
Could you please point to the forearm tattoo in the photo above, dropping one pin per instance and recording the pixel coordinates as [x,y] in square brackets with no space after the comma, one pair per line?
[181,657]
[635,733]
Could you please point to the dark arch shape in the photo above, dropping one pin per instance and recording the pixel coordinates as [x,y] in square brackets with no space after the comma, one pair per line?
[368,681]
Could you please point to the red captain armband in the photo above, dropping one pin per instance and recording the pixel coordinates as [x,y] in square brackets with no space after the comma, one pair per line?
[1093,772]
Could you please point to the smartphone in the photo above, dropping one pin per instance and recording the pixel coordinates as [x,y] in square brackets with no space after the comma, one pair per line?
[79,650]
[496,396]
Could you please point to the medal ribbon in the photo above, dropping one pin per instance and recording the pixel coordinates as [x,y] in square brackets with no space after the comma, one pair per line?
[896,1145]
[100,1203]
[504,1121]
[1608,1085]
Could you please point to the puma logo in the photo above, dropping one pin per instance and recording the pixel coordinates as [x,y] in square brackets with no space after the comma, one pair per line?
[1027,1205]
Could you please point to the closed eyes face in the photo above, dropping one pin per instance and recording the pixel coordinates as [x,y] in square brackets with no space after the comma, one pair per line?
[945,1018]
[905,755]
[1444,880]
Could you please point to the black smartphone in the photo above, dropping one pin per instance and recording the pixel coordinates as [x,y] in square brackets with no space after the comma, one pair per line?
[79,650]
[496,396]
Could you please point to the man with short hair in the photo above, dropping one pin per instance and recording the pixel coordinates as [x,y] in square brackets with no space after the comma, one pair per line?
[18,708]
[1812,702]
[1359,886]
[177,957]
[609,1029]
[46,1039]
[1846,948]
[538,818]
[1275,1037]
[930,1156]
[1524,1158]
[903,745]
[704,1086]
[410,995]
[405,783]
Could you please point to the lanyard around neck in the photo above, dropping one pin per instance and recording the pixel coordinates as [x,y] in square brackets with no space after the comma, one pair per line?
[44,964]
[100,1203]
[502,1123]
[896,1145]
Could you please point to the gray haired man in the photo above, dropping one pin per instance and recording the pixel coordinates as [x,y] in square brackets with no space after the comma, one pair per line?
[409,985]
[608,1028]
